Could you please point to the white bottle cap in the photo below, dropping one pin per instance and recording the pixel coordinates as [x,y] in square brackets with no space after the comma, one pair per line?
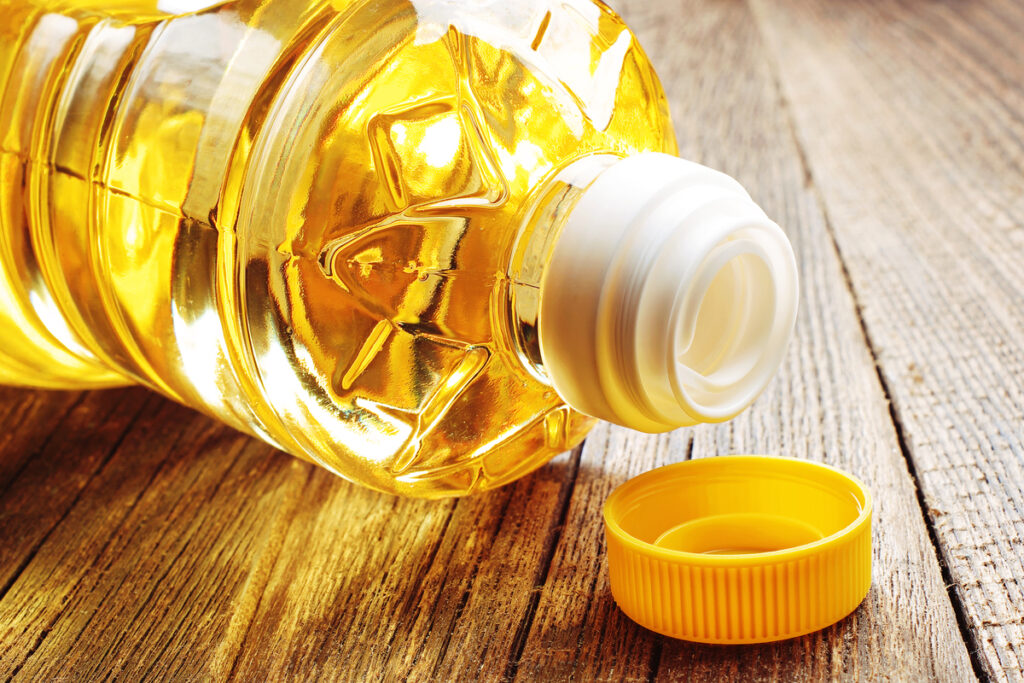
[669,298]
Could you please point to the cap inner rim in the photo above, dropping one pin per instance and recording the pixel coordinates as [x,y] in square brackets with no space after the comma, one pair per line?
[631,495]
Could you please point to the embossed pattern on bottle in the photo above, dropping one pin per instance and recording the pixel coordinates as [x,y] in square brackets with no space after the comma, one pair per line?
[298,217]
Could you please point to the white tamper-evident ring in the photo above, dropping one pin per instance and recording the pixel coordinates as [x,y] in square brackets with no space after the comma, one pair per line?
[669,298]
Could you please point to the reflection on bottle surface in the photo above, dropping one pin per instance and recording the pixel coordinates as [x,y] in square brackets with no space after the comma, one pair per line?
[300,217]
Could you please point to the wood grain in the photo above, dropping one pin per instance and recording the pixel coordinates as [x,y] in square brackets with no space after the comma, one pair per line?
[140,540]
[932,234]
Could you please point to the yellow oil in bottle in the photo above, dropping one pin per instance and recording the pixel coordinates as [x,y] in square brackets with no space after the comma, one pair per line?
[300,217]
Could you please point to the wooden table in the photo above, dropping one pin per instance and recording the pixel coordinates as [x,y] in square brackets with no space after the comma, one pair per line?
[141,540]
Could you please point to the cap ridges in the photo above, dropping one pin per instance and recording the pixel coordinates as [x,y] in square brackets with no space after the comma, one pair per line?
[745,597]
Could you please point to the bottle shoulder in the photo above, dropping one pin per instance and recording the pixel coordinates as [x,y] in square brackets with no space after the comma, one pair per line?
[379,212]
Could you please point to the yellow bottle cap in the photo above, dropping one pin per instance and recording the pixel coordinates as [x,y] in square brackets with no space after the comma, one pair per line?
[739,549]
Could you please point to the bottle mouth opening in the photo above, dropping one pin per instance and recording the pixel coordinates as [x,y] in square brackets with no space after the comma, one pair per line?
[731,326]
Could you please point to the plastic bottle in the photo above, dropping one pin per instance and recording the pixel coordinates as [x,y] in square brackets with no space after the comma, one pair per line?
[399,238]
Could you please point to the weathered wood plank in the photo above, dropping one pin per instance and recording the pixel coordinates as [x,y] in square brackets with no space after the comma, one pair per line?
[825,405]
[26,422]
[90,594]
[370,583]
[912,118]
[55,456]
[193,551]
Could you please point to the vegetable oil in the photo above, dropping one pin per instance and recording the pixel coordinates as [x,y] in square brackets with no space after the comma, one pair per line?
[414,241]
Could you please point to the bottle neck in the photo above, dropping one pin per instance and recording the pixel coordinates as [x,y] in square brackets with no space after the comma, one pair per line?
[538,234]
[651,292]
